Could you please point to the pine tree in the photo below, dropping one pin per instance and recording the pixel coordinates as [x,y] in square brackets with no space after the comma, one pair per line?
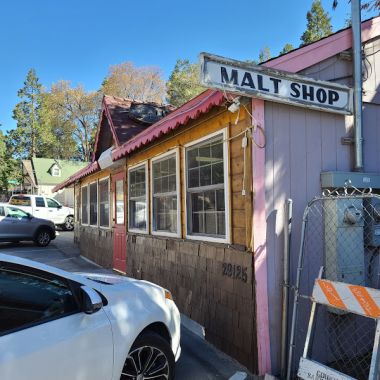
[264,54]
[183,83]
[318,24]
[29,138]
[286,49]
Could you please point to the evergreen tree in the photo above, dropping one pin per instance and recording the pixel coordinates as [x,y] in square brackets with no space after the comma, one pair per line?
[9,168]
[30,137]
[264,54]
[286,49]
[318,24]
[183,83]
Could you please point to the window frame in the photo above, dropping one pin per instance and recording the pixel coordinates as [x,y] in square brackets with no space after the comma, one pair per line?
[131,168]
[178,193]
[44,200]
[51,199]
[109,202]
[29,271]
[226,170]
[97,204]
[55,167]
[81,209]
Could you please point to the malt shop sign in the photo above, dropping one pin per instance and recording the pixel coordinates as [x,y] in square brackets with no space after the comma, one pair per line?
[251,80]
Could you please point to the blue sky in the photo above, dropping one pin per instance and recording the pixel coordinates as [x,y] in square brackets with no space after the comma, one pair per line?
[78,40]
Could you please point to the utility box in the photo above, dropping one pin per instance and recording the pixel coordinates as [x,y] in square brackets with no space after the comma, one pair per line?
[344,240]
[372,222]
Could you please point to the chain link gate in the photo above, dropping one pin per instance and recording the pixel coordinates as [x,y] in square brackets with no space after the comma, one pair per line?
[341,233]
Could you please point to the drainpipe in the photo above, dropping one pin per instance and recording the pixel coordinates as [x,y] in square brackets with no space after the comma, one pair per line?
[357,60]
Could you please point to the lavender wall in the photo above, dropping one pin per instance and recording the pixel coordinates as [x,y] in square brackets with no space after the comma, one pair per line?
[300,144]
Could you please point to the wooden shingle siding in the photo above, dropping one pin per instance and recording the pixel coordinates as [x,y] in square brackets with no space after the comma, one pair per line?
[240,206]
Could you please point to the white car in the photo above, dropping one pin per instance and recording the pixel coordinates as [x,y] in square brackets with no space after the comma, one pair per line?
[64,326]
[45,208]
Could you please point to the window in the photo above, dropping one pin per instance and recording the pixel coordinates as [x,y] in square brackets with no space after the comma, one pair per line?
[84,205]
[20,200]
[104,203]
[206,190]
[165,215]
[2,211]
[56,171]
[32,297]
[16,213]
[93,204]
[52,203]
[77,204]
[40,202]
[138,204]
[119,201]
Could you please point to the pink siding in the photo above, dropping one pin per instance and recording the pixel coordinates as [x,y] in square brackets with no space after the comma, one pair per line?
[259,244]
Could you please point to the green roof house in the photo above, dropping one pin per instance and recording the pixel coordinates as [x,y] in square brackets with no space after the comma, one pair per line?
[41,175]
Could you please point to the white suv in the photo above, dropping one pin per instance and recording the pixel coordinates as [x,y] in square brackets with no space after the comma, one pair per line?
[45,208]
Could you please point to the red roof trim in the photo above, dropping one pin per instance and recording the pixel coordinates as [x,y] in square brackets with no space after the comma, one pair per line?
[90,169]
[191,110]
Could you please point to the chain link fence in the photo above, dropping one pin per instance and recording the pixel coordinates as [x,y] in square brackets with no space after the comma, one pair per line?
[341,233]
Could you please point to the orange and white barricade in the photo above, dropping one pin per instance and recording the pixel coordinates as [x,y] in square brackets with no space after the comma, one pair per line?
[346,298]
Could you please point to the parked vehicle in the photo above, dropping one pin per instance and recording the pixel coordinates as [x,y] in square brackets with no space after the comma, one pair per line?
[45,208]
[59,325]
[17,225]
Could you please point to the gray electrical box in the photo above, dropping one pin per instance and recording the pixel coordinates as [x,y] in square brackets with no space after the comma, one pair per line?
[372,222]
[358,179]
[344,240]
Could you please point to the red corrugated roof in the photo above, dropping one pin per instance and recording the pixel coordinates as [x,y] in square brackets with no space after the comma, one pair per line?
[91,168]
[181,116]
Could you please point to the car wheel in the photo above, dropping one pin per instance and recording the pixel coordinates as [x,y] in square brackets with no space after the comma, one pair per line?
[43,238]
[149,358]
[69,223]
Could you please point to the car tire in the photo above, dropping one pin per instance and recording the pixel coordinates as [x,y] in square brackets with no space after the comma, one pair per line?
[69,223]
[149,355]
[43,237]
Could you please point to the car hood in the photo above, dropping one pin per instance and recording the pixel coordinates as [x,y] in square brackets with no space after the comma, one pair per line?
[68,210]
[113,283]
[106,278]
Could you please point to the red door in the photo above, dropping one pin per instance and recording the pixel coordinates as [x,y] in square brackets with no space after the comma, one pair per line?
[119,232]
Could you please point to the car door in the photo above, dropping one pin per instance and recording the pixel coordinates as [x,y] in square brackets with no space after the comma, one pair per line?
[55,211]
[43,333]
[15,224]
[6,230]
[40,209]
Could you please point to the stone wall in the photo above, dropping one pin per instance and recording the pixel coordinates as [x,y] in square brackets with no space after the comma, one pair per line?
[96,244]
[211,283]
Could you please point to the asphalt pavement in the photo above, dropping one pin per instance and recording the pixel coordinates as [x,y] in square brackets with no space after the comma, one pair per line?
[199,359]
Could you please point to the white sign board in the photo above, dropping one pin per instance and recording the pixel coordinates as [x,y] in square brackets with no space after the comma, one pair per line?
[310,370]
[257,81]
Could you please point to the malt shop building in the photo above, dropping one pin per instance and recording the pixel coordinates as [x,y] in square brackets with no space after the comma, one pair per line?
[193,198]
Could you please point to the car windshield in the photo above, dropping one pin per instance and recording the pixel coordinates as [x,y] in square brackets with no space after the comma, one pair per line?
[14,212]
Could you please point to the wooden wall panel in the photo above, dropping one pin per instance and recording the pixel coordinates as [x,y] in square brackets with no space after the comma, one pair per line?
[214,121]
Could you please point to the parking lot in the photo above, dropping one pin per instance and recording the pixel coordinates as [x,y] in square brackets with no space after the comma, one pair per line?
[199,359]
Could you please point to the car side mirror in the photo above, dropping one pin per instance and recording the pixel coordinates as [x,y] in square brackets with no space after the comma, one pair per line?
[92,302]
[59,206]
